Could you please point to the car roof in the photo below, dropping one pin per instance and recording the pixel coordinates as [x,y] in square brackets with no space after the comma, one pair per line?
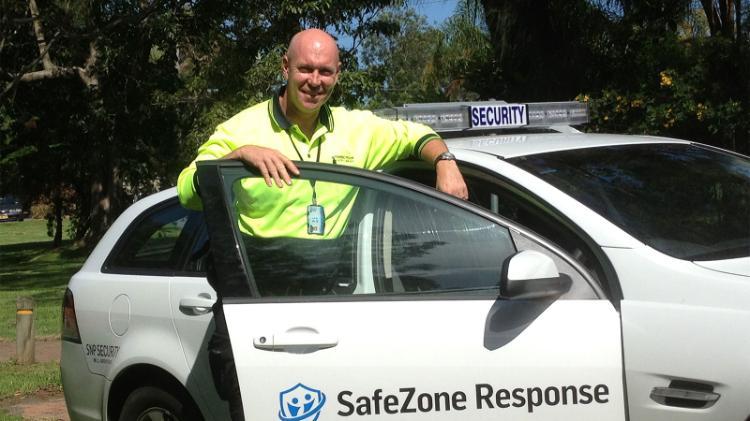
[515,145]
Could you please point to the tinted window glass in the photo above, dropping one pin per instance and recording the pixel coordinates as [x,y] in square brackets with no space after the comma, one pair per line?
[432,248]
[687,201]
[377,240]
[158,242]
[493,194]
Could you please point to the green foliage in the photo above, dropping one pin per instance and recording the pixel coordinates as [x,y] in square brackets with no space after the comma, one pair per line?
[647,67]
[161,75]
[466,57]
[164,74]
[685,101]
[417,62]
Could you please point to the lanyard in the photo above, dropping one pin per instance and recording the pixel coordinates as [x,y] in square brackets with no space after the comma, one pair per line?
[312,182]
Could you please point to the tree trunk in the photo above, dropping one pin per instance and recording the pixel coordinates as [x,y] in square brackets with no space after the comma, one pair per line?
[738,20]
[58,203]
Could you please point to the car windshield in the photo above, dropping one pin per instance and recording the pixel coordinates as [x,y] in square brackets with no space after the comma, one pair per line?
[8,200]
[687,201]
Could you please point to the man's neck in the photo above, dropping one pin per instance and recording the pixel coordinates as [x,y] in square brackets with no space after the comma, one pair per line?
[306,122]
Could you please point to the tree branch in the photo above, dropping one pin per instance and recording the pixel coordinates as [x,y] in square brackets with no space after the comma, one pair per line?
[39,32]
[17,78]
[53,73]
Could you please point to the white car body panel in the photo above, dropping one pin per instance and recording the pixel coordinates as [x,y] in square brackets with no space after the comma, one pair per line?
[194,327]
[510,146]
[674,312]
[681,322]
[739,266]
[432,346]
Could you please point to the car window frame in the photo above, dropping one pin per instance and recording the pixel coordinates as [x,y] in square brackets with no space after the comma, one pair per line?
[183,245]
[238,286]
[610,282]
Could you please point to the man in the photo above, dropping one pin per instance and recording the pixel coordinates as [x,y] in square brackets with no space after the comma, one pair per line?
[298,124]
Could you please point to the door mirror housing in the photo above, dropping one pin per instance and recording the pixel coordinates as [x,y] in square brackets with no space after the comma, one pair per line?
[532,275]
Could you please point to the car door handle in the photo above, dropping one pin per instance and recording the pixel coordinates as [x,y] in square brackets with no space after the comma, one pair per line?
[298,342]
[197,305]
[661,394]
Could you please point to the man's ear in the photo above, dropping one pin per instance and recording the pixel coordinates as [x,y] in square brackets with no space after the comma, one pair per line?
[285,67]
[338,71]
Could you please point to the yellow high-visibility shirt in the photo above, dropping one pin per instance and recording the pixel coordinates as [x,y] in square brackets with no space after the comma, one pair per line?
[342,137]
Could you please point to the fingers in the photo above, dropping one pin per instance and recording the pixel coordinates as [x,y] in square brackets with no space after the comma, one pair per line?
[279,168]
[272,165]
[458,190]
[266,176]
[450,180]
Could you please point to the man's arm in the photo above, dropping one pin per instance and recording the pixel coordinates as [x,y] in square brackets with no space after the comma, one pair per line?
[449,178]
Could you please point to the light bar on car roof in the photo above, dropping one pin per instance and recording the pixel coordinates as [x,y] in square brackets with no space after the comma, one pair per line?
[483,115]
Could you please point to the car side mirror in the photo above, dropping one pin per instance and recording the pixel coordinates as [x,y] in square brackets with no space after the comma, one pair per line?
[532,275]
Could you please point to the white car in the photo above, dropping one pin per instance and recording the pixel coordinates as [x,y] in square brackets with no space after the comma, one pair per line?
[588,277]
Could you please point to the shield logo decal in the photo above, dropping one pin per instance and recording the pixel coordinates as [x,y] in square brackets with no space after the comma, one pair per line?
[301,403]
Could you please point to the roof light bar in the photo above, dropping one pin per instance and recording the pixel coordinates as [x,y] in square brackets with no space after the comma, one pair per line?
[483,115]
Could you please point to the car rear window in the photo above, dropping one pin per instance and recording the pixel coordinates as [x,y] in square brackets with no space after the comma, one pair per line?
[162,241]
[688,201]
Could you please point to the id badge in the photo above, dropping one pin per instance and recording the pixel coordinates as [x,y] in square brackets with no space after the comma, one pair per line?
[316,220]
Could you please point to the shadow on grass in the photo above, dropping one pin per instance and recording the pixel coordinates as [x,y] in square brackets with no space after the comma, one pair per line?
[38,265]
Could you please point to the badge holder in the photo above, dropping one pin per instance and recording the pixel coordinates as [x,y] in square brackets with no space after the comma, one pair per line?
[316,217]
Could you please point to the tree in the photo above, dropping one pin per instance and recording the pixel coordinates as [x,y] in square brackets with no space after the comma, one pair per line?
[401,61]
[645,66]
[113,94]
[418,62]
[540,46]
[724,18]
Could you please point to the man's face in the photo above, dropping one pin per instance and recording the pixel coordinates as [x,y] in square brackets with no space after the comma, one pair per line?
[312,72]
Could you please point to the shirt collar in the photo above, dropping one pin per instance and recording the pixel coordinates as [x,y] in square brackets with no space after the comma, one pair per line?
[325,116]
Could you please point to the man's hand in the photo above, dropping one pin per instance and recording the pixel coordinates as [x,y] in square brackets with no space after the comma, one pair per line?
[450,180]
[270,162]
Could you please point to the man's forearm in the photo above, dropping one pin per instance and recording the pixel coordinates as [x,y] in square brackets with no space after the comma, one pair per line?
[448,177]
[432,149]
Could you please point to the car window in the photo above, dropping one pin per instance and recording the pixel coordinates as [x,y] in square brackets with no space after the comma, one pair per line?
[385,240]
[501,198]
[161,241]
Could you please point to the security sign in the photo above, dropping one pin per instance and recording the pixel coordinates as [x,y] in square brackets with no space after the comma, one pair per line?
[301,403]
[498,115]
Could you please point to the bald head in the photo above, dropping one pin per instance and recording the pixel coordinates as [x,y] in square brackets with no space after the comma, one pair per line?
[311,67]
[313,41]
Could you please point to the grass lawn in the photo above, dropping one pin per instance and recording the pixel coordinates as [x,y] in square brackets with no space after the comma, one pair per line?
[24,379]
[29,266]
[17,380]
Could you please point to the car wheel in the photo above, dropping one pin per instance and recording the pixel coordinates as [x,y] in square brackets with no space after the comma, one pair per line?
[150,403]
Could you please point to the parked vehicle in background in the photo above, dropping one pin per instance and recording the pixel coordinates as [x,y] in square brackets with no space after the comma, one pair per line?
[11,209]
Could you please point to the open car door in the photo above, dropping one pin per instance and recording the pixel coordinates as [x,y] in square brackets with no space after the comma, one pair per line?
[421,306]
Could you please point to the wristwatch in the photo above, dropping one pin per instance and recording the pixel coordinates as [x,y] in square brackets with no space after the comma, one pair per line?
[445,156]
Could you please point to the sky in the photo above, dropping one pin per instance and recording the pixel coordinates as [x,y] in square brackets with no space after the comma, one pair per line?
[435,10]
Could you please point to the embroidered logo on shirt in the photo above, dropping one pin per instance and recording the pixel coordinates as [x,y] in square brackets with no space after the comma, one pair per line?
[343,159]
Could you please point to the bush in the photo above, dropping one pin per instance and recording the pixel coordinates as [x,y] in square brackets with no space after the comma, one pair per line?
[688,102]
